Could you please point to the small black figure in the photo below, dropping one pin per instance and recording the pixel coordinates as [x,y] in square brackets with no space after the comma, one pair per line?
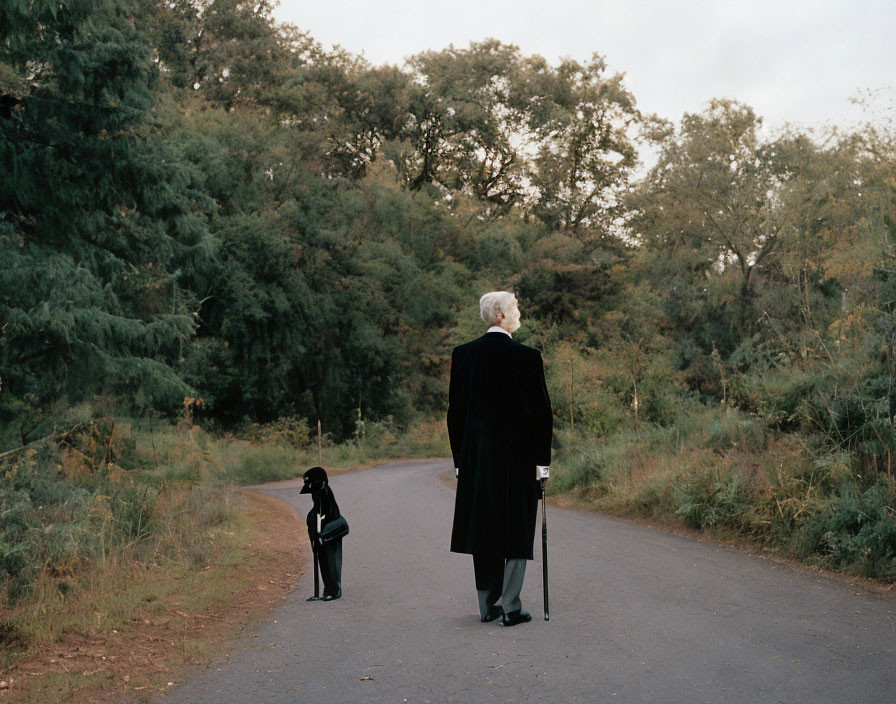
[326,528]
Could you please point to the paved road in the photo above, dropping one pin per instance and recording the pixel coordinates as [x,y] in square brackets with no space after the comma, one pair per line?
[636,616]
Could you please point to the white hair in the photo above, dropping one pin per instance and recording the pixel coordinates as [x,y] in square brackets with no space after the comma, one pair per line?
[492,304]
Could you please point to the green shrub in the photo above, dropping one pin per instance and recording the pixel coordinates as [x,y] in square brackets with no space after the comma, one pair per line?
[579,468]
[654,497]
[291,432]
[706,500]
[777,394]
[133,509]
[263,463]
[42,520]
[733,429]
[604,415]
[856,530]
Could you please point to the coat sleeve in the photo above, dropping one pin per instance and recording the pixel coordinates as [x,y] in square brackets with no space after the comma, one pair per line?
[311,522]
[329,506]
[541,416]
[457,411]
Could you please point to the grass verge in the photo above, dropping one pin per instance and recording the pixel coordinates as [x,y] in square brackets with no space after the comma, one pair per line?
[134,628]
[724,475]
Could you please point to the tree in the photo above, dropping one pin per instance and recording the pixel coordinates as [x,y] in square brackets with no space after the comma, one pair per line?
[468,122]
[712,197]
[230,51]
[96,215]
[582,121]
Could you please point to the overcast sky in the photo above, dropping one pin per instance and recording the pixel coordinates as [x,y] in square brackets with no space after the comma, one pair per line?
[791,60]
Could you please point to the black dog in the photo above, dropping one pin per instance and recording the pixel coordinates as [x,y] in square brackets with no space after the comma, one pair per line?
[326,528]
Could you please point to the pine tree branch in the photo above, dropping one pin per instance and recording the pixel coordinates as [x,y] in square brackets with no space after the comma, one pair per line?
[48,438]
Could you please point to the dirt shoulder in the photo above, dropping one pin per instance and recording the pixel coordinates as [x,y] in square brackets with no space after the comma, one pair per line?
[170,638]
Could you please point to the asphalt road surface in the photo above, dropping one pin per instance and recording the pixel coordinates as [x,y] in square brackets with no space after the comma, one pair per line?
[636,616]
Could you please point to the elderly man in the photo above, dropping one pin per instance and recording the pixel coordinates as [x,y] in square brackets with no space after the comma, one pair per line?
[499,425]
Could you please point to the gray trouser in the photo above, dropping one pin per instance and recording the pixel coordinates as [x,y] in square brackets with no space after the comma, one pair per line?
[499,581]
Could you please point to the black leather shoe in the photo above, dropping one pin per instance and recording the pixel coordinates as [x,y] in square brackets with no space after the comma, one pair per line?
[515,617]
[331,597]
[494,613]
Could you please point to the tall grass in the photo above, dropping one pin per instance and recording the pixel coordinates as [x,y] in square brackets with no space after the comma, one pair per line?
[724,471]
[247,464]
[96,506]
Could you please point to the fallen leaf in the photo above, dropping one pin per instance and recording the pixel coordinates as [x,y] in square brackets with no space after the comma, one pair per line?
[366,678]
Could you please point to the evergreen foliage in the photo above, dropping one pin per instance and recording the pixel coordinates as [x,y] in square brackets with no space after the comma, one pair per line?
[97,217]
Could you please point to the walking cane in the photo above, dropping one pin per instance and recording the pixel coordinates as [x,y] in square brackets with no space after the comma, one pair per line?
[316,596]
[544,550]
[314,548]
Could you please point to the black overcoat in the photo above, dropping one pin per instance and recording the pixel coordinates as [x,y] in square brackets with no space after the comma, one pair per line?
[325,504]
[500,426]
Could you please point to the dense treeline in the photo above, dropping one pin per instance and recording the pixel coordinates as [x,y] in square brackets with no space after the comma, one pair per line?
[201,202]
[197,201]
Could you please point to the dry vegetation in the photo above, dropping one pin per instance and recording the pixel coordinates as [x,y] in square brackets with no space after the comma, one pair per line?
[134,628]
[723,474]
[129,554]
